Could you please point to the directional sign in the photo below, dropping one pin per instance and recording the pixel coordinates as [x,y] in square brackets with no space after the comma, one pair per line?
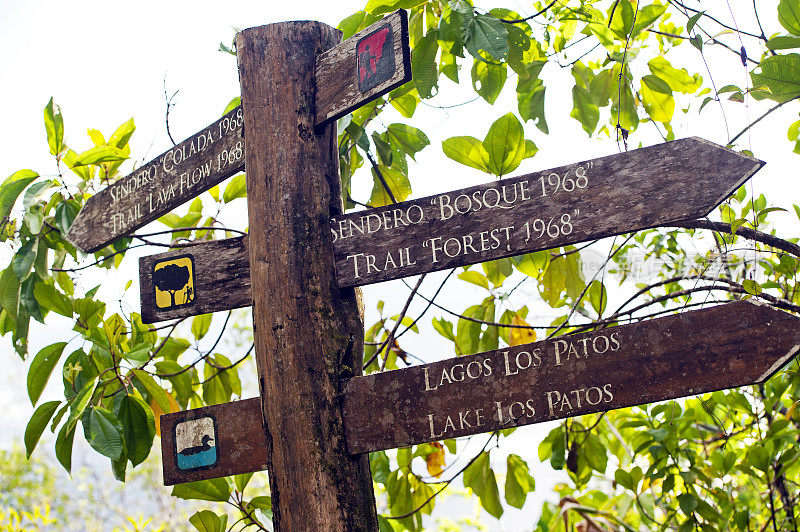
[171,179]
[213,441]
[370,63]
[622,193]
[358,70]
[203,278]
[690,353]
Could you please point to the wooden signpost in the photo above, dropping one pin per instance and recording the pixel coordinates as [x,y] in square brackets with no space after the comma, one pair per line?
[631,191]
[362,68]
[311,427]
[213,441]
[690,353]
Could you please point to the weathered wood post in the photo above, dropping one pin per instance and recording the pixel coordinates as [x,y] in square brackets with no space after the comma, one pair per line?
[306,329]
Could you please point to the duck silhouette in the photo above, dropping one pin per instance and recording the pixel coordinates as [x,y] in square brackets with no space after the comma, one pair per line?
[198,448]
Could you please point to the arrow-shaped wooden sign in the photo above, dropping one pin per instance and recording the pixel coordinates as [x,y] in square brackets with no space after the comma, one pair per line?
[690,353]
[644,188]
[640,189]
[369,64]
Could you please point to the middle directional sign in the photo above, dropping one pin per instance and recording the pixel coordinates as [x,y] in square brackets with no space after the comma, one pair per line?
[640,189]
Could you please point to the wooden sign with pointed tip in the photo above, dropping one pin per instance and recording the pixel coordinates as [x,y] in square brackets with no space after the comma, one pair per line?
[690,353]
[644,188]
[168,181]
[631,191]
[213,441]
[364,67]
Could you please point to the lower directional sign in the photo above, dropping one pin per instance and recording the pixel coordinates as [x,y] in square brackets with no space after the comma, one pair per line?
[726,346]
[213,441]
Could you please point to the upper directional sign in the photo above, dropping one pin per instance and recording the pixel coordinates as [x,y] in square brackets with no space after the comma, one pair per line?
[369,64]
[684,354]
[622,193]
[171,179]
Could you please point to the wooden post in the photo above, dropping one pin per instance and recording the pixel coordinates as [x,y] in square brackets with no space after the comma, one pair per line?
[308,332]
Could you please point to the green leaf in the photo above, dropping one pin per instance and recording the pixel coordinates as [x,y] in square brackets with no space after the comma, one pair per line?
[12,187]
[241,481]
[678,80]
[216,489]
[505,145]
[480,478]
[158,393]
[397,182]
[647,16]
[41,369]
[779,76]
[468,151]
[444,327]
[9,292]
[54,125]
[530,96]
[138,427]
[237,188]
[424,70]
[595,453]
[789,16]
[598,296]
[355,22]
[486,33]
[105,433]
[519,482]
[410,139]
[23,260]
[693,21]
[201,324]
[584,110]
[122,135]
[208,521]
[100,154]
[497,271]
[80,403]
[471,276]
[405,104]
[783,42]
[51,299]
[657,98]
[688,503]
[751,287]
[38,422]
[64,446]
[488,79]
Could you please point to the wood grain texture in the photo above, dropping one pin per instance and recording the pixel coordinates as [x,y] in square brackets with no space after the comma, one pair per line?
[640,189]
[221,279]
[171,179]
[690,353]
[338,90]
[307,331]
[241,444]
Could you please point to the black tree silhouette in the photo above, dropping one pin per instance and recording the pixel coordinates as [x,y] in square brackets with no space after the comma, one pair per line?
[171,278]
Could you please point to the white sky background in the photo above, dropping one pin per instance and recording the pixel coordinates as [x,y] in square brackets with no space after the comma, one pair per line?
[105,62]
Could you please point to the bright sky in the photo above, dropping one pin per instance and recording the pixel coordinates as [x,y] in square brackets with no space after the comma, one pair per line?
[105,62]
